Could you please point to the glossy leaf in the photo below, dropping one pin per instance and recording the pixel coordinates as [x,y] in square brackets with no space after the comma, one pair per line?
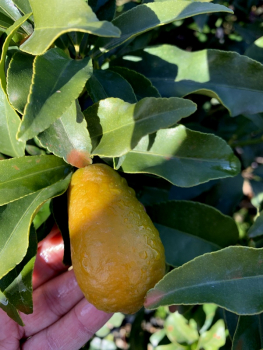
[68,137]
[15,220]
[255,51]
[12,12]
[256,229]
[145,17]
[226,278]
[214,73]
[183,157]
[214,338]
[17,284]
[178,330]
[76,16]
[114,119]
[142,86]
[9,124]
[11,311]
[23,176]
[57,82]
[19,76]
[5,21]
[23,5]
[248,334]
[189,229]
[9,35]
[105,83]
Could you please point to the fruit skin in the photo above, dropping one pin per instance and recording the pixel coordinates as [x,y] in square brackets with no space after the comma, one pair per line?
[117,254]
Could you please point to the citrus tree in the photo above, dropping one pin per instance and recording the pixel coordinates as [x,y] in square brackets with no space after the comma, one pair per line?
[90,82]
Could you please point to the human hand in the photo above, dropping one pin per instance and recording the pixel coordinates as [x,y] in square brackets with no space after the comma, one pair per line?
[62,318]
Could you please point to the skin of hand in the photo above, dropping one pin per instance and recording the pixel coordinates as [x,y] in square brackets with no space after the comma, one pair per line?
[62,317]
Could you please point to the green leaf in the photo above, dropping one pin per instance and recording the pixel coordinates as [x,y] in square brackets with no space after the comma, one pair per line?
[214,338]
[142,86]
[15,220]
[76,16]
[214,73]
[19,76]
[231,321]
[12,12]
[226,194]
[184,157]
[231,278]
[255,51]
[23,176]
[23,5]
[17,284]
[9,35]
[114,119]
[145,17]
[209,310]
[256,229]
[173,346]
[104,84]
[11,311]
[5,22]
[248,334]
[9,124]
[57,82]
[68,137]
[189,229]
[178,330]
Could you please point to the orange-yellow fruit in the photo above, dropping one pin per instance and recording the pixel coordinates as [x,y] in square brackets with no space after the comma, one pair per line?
[117,254]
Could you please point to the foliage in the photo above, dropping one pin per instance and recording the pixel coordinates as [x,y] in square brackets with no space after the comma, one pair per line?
[169,93]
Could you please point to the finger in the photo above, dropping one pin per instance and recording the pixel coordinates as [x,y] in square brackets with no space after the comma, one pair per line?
[72,331]
[51,301]
[49,258]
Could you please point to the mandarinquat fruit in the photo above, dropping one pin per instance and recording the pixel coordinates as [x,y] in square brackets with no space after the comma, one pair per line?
[117,254]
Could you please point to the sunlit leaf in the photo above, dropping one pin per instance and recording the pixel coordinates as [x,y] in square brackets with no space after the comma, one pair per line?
[183,157]
[145,17]
[9,35]
[23,176]
[125,123]
[57,82]
[214,73]
[15,220]
[17,284]
[9,124]
[76,16]
[12,11]
[19,76]
[68,137]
